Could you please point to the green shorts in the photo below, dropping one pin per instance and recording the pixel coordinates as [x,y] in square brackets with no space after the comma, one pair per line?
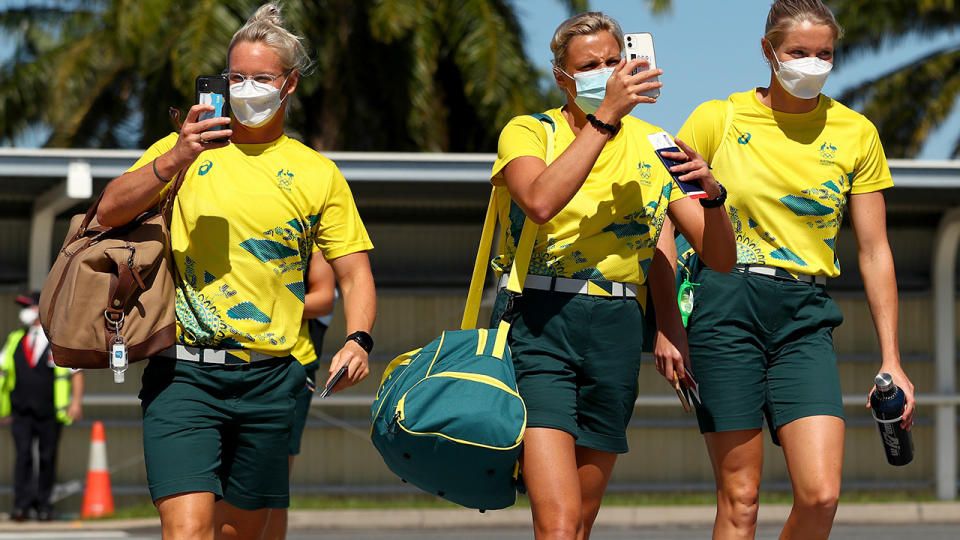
[762,347]
[577,358]
[302,407]
[220,429]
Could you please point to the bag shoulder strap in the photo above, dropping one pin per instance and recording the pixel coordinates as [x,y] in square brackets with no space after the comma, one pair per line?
[521,258]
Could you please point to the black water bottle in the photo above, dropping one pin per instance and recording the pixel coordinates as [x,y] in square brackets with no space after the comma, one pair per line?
[888,403]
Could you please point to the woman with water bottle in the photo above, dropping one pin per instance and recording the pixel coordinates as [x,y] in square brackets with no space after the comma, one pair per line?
[761,336]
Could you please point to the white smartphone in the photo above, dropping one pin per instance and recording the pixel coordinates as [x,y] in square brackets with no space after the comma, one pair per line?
[640,45]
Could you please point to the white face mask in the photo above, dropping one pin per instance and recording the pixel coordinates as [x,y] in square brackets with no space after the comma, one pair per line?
[254,104]
[28,316]
[802,77]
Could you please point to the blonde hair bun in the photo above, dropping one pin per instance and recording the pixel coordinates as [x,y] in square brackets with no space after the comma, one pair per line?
[268,13]
[266,26]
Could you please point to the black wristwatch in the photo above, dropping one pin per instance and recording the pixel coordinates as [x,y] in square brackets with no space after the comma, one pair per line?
[363,339]
[716,201]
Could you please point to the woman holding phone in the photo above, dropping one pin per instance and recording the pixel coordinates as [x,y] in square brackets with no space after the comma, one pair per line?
[218,406]
[761,336]
[574,335]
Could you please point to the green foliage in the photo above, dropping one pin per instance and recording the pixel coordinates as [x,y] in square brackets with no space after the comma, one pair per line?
[907,103]
[388,75]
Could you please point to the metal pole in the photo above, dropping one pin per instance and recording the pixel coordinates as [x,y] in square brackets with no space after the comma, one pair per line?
[944,268]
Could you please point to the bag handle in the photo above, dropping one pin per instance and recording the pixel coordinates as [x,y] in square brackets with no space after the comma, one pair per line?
[164,205]
[521,257]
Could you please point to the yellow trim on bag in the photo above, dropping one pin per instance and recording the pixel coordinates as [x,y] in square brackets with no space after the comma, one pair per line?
[443,337]
[397,362]
[475,377]
[501,342]
[481,340]
[404,358]
[469,443]
[399,414]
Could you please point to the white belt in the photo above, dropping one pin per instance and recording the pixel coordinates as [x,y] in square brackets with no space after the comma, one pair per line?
[592,287]
[780,273]
[213,356]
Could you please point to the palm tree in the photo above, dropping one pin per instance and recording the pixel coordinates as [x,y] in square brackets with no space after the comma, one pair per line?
[389,74]
[906,103]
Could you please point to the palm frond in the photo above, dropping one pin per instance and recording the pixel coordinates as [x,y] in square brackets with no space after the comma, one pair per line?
[390,20]
[201,47]
[497,78]
[870,24]
[908,104]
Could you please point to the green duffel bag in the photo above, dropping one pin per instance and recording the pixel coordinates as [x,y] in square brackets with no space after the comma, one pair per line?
[447,417]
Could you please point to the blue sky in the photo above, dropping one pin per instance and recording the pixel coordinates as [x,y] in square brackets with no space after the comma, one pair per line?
[710,49]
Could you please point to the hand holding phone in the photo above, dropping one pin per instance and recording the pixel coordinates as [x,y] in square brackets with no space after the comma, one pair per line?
[663,142]
[213,90]
[640,45]
[333,381]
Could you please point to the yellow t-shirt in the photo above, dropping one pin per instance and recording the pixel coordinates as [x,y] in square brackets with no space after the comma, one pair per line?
[788,176]
[613,221]
[244,225]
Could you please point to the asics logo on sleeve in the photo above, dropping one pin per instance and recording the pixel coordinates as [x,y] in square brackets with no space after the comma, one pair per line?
[744,139]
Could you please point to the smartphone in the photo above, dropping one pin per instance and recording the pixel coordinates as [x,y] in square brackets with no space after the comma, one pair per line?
[663,142]
[333,381]
[213,90]
[640,45]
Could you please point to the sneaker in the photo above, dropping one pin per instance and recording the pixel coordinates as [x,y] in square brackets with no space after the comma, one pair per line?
[18,515]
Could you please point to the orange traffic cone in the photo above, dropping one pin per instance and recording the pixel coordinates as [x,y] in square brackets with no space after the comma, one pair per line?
[97,496]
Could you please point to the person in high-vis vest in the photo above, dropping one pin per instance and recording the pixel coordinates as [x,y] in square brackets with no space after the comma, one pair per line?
[40,397]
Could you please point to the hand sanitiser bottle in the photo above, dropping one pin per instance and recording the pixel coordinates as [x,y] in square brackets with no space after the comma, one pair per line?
[887,403]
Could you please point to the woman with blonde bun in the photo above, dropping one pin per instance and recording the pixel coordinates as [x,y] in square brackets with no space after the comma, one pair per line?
[218,407]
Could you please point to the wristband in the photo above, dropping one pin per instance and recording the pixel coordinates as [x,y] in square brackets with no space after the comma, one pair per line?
[716,201]
[361,338]
[602,126]
[155,173]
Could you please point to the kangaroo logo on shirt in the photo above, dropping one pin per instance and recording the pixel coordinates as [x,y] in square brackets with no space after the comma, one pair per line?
[827,153]
[284,179]
[205,167]
[745,138]
[645,172]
